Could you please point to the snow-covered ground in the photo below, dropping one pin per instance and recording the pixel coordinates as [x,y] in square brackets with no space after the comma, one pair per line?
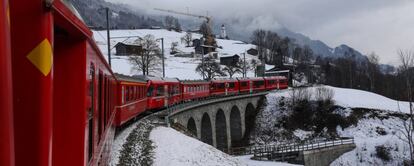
[182,68]
[352,98]
[365,132]
[174,148]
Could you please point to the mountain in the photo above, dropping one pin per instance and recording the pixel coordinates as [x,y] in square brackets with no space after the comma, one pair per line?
[93,14]
[320,48]
[122,17]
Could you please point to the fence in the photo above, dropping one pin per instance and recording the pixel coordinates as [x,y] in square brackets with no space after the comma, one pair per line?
[270,152]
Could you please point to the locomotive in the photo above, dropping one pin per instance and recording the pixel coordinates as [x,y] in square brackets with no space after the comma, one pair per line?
[60,102]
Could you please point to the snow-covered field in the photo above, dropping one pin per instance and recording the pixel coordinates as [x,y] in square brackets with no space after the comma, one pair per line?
[176,149]
[365,133]
[182,68]
[353,98]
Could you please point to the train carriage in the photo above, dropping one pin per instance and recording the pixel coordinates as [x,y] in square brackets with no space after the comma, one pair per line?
[222,87]
[132,98]
[162,92]
[272,83]
[283,82]
[245,85]
[194,90]
[258,84]
[64,91]
[275,82]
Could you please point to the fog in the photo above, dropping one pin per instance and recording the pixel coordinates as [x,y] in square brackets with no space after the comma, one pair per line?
[380,26]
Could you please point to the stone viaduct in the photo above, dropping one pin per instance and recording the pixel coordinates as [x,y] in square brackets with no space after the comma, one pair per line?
[222,123]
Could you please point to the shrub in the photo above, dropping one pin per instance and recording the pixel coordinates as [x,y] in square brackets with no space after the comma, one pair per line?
[380,131]
[383,152]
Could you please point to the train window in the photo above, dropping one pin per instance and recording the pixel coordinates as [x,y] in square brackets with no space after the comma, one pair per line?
[258,83]
[231,85]
[123,95]
[136,92]
[160,90]
[243,83]
[91,111]
[150,91]
[220,86]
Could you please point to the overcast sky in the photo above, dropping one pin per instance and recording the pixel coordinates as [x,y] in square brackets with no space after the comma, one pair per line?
[380,26]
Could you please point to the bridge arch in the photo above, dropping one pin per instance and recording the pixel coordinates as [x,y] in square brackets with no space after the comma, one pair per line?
[221,130]
[206,129]
[235,126]
[191,126]
[249,121]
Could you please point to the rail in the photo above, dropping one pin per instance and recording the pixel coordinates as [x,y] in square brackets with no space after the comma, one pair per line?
[270,152]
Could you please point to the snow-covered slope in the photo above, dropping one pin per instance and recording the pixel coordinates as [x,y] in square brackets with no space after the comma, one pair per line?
[353,98]
[382,126]
[182,68]
[176,149]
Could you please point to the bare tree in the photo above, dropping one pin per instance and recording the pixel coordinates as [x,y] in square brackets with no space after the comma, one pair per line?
[253,66]
[259,39]
[210,68]
[406,68]
[233,68]
[174,49]
[148,59]
[187,39]
[372,69]
[169,22]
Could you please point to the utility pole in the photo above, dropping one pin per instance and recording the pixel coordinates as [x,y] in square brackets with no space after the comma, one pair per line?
[202,55]
[163,57]
[108,36]
[244,65]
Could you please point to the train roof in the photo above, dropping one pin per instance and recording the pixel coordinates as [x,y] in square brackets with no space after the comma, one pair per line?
[122,77]
[194,82]
[156,79]
[250,78]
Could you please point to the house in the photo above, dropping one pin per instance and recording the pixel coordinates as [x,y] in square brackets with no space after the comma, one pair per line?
[229,60]
[123,49]
[200,49]
[253,52]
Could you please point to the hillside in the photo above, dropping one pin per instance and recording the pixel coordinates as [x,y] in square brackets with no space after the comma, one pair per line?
[373,120]
[182,68]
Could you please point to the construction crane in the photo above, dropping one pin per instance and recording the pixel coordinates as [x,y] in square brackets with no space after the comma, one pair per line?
[208,18]
[209,37]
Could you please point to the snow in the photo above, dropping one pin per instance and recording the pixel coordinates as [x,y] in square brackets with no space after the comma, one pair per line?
[246,159]
[182,68]
[352,98]
[301,134]
[366,139]
[174,148]
[365,132]
[118,142]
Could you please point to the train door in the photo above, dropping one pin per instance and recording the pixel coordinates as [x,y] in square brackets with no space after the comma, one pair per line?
[166,95]
[226,87]
[278,83]
[251,86]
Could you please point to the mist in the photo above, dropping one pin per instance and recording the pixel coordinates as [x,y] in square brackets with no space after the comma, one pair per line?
[380,26]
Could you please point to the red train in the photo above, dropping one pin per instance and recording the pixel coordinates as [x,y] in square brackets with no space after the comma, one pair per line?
[60,102]
[164,92]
